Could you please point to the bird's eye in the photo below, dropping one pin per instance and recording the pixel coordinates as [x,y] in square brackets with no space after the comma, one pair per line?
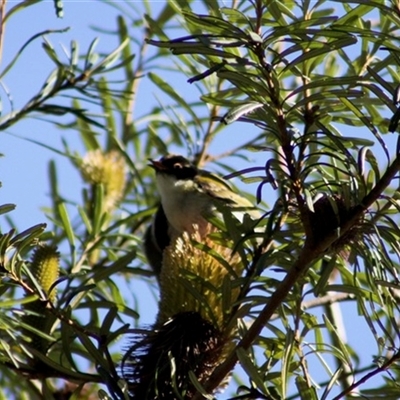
[178,166]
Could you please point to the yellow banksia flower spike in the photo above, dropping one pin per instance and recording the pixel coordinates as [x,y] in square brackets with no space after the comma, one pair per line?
[45,267]
[185,264]
[108,169]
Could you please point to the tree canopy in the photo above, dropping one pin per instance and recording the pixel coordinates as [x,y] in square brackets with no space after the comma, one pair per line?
[297,103]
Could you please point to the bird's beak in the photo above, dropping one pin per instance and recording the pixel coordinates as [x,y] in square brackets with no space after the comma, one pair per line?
[157,165]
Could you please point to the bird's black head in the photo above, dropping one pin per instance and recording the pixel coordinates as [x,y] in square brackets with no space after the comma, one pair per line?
[175,165]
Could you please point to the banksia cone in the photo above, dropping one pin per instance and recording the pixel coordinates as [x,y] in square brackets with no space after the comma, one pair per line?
[45,266]
[192,278]
[192,332]
[159,361]
[329,213]
[108,169]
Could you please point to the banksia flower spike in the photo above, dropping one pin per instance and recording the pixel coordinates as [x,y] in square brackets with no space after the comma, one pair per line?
[45,268]
[108,169]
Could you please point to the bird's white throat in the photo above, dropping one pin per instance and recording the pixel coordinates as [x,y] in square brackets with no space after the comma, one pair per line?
[183,203]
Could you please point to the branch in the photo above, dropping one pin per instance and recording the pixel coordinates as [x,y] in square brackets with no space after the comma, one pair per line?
[2,26]
[38,100]
[311,251]
[300,266]
[376,371]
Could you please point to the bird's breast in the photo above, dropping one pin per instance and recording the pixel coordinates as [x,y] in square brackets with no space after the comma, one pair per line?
[184,204]
[187,210]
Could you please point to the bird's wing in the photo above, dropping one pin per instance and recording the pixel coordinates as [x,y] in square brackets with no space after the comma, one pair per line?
[220,189]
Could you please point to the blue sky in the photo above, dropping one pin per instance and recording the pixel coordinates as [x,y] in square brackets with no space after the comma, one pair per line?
[25,178]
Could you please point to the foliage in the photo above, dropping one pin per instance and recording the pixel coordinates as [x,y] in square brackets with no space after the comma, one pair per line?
[307,94]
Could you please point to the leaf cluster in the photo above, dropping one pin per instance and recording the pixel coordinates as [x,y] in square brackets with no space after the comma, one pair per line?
[308,92]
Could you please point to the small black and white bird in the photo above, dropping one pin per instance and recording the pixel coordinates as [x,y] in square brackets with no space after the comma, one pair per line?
[189,196]
[156,239]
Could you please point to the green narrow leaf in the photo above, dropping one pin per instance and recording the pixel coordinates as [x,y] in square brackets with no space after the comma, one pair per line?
[67,372]
[49,49]
[7,349]
[275,8]
[66,334]
[74,54]
[20,51]
[62,210]
[287,360]
[309,199]
[126,51]
[226,295]
[327,48]
[240,110]
[109,59]
[355,14]
[98,207]
[52,83]
[197,48]
[6,208]
[103,395]
[91,57]
[106,103]
[246,84]
[120,264]
[199,298]
[11,303]
[358,113]
[18,7]
[377,76]
[329,83]
[122,330]
[208,250]
[208,72]
[92,350]
[235,16]
[88,136]
[373,162]
[86,220]
[341,351]
[306,392]
[28,235]
[333,381]
[198,386]
[394,121]
[251,370]
[216,25]
[109,319]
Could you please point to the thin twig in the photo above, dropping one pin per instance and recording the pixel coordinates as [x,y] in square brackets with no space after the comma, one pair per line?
[384,367]
[2,26]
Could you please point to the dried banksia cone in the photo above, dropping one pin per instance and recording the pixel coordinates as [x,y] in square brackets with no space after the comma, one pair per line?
[191,334]
[157,365]
[108,169]
[329,213]
[45,267]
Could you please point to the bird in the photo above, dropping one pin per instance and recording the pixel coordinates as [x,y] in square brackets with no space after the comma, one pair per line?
[189,197]
[156,239]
